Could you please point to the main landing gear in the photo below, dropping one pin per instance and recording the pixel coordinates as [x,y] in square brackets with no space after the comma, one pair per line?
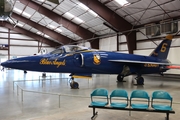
[120,78]
[73,84]
[139,79]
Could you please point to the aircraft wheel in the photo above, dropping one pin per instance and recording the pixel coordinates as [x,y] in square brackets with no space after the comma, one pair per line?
[74,85]
[120,78]
[140,81]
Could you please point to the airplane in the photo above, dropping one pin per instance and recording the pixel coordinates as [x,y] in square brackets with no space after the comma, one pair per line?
[79,60]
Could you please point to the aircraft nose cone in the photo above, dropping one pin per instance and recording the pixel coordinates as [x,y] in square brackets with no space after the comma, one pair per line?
[18,63]
[3,64]
[7,64]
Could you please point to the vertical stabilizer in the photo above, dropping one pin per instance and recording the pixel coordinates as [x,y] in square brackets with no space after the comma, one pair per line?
[162,49]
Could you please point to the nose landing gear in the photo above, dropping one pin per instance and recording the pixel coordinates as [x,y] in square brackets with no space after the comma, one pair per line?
[73,84]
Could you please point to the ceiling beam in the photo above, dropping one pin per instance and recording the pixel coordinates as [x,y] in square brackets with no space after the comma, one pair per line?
[115,20]
[57,36]
[77,29]
[30,34]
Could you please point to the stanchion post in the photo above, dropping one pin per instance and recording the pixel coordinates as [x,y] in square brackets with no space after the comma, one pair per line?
[17,90]
[22,95]
[13,85]
[59,101]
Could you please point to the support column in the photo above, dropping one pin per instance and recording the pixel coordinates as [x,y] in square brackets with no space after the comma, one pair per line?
[8,44]
[131,41]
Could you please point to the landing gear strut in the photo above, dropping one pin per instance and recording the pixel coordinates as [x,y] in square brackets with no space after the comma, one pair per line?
[73,84]
[140,80]
[120,78]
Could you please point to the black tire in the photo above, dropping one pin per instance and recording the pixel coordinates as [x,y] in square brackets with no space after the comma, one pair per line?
[140,81]
[74,85]
[120,78]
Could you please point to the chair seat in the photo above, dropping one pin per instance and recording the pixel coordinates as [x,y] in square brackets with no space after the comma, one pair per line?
[98,103]
[139,106]
[118,105]
[161,107]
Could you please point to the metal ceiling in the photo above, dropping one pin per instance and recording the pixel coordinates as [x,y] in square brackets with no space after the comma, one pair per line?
[70,21]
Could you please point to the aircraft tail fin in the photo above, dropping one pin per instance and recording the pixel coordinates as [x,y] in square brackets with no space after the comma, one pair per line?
[162,49]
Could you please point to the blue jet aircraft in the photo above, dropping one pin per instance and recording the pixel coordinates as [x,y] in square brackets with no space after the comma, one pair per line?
[79,60]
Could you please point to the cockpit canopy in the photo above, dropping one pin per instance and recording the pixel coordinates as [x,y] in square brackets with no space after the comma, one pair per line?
[69,49]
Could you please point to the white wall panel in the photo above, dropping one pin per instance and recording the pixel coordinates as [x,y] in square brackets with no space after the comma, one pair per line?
[109,44]
[124,52]
[3,41]
[140,36]
[176,42]
[24,51]
[20,36]
[123,47]
[3,52]
[3,29]
[122,38]
[4,35]
[23,42]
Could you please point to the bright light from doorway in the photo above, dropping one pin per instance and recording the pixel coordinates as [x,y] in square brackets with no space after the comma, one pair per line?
[122,2]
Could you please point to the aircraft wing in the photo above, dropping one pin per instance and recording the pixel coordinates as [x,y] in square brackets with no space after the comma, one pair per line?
[142,62]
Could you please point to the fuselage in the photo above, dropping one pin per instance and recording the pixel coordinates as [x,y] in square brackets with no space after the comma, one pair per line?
[86,61]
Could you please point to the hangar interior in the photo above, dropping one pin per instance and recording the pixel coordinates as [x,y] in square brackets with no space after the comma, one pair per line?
[40,26]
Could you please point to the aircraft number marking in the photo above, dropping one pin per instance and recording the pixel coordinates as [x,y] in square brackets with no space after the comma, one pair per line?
[151,65]
[164,46]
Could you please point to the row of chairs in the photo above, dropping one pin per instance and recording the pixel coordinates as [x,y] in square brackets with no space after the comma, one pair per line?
[139,99]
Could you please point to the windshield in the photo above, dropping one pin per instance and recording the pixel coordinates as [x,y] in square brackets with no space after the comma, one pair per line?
[74,48]
[57,51]
[68,49]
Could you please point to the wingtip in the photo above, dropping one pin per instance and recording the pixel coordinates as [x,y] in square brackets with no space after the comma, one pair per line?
[169,37]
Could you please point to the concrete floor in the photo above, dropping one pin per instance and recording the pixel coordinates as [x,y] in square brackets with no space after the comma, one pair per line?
[73,102]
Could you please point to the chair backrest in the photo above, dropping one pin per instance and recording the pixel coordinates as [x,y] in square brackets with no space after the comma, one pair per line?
[119,93]
[139,94]
[161,95]
[100,92]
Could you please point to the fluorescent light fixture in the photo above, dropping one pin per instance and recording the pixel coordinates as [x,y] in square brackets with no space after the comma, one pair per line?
[40,0]
[93,13]
[17,10]
[122,2]
[58,30]
[51,26]
[19,24]
[47,36]
[78,20]
[69,15]
[11,21]
[87,9]
[39,33]
[83,6]
[26,14]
